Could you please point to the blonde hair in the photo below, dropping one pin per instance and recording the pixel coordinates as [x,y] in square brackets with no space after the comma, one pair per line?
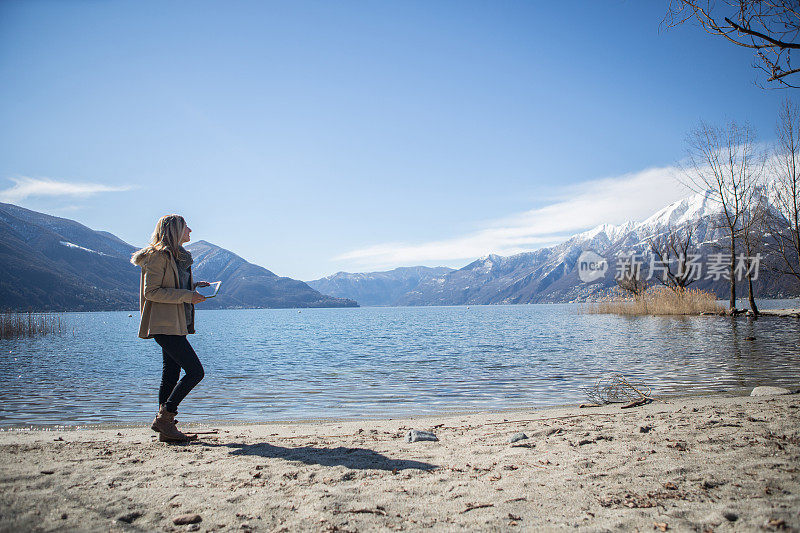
[166,238]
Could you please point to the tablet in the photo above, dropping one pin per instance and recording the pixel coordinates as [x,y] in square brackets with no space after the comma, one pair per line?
[210,291]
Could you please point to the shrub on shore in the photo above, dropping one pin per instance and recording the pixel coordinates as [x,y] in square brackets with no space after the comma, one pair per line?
[13,324]
[656,301]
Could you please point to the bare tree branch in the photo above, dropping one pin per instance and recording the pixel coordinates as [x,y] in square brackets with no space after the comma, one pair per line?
[770,27]
[781,75]
[754,33]
[674,245]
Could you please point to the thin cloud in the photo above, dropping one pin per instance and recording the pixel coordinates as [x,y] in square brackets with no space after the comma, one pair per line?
[633,196]
[26,187]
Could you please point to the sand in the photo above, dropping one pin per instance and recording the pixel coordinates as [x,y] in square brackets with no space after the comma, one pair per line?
[684,464]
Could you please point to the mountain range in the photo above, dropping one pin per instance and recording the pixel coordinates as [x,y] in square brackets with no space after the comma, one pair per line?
[378,288]
[549,275]
[50,263]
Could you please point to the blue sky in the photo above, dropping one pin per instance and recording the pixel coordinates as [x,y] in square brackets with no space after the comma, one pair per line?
[313,137]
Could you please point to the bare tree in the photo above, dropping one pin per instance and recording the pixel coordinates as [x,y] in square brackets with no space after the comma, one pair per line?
[770,27]
[754,225]
[724,163]
[785,223]
[629,278]
[674,246]
[633,285]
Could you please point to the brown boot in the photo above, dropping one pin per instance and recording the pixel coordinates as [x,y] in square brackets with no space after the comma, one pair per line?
[153,425]
[165,425]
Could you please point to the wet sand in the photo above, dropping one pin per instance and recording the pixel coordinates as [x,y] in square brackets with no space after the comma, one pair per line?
[686,464]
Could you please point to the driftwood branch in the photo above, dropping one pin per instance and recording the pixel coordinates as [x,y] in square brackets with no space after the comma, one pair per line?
[473,507]
[618,389]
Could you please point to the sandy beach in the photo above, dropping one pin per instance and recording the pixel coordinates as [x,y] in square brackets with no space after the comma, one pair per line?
[682,464]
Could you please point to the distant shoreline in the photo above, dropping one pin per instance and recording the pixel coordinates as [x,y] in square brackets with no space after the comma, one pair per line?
[200,308]
[204,424]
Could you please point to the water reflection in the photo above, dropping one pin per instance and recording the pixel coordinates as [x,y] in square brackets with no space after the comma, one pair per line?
[368,362]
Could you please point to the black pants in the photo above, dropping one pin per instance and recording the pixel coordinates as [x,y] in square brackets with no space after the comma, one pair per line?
[178,353]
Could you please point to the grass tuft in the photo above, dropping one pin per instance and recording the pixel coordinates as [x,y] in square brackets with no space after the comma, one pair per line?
[13,324]
[656,301]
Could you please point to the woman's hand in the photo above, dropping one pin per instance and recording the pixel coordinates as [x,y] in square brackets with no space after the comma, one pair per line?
[197,298]
[202,284]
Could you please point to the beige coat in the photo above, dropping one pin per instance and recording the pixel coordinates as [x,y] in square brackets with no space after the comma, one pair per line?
[160,301]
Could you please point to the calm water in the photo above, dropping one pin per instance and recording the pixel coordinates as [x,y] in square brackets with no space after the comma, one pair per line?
[369,362]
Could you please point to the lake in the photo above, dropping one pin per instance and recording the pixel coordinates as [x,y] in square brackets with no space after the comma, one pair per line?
[290,364]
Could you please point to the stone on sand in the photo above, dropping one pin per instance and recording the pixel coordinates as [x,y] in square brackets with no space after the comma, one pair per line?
[769,391]
[415,435]
[129,518]
[186,519]
[517,437]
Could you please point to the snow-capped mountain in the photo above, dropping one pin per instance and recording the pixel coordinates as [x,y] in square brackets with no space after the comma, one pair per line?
[550,274]
[695,207]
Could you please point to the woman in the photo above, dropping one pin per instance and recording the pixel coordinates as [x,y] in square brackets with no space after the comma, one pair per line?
[166,301]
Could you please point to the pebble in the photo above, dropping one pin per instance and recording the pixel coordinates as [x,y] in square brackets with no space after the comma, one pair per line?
[730,516]
[128,518]
[769,391]
[645,429]
[186,519]
[415,435]
[517,437]
[193,527]
[47,472]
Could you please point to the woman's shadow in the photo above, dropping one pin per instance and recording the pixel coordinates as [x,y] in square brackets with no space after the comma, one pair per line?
[353,458]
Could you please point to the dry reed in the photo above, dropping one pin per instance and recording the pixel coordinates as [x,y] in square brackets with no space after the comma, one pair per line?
[14,324]
[656,301]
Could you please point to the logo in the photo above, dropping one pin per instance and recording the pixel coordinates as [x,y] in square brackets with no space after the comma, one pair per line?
[591,266]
